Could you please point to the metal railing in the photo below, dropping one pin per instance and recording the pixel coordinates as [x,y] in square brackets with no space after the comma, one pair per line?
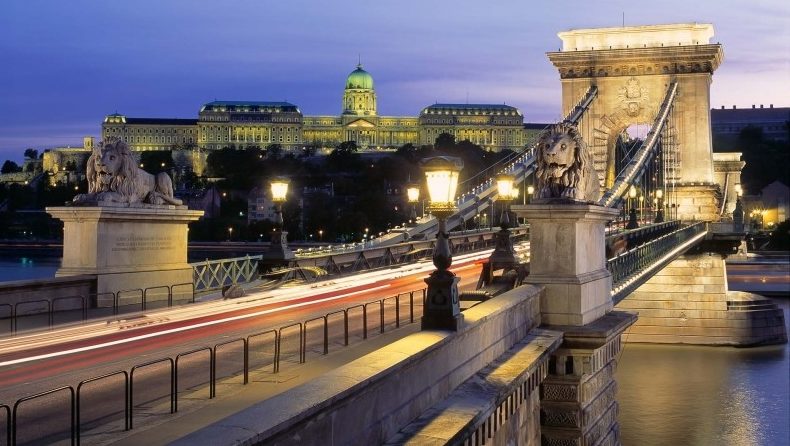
[48,313]
[293,343]
[215,274]
[627,267]
[645,152]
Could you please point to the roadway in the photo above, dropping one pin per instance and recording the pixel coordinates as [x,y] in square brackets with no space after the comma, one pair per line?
[38,361]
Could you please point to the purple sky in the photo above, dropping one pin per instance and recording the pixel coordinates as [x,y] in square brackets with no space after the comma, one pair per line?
[66,64]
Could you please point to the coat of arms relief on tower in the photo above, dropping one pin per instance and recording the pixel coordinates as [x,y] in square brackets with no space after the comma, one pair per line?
[633,97]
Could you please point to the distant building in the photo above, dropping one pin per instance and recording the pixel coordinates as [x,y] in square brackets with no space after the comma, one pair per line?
[242,124]
[771,206]
[727,123]
[260,206]
[62,159]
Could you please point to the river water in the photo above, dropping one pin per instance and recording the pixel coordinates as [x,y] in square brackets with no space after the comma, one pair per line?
[693,395]
[669,394]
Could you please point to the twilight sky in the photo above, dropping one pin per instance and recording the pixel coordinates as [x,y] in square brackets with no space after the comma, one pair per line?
[66,64]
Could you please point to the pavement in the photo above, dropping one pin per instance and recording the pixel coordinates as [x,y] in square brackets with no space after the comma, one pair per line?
[232,398]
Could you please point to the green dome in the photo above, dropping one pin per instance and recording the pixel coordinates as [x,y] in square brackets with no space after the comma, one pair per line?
[359,78]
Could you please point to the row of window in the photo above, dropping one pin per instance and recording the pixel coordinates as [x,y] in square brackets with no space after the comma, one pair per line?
[157,139]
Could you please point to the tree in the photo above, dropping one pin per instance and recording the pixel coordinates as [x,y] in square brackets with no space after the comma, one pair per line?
[274,151]
[766,160]
[31,154]
[444,141]
[347,147]
[344,158]
[155,161]
[10,167]
[780,237]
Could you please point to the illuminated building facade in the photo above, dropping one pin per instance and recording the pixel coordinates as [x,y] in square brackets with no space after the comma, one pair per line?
[242,124]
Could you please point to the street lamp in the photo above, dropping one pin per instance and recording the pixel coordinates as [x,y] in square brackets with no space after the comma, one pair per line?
[505,193]
[504,256]
[660,205]
[230,233]
[530,191]
[413,193]
[632,224]
[279,245]
[642,208]
[442,310]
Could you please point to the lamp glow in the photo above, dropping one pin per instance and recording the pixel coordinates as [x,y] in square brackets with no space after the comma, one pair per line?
[441,176]
[279,187]
[632,192]
[504,185]
[413,192]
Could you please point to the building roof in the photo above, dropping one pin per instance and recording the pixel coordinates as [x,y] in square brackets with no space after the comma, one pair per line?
[754,114]
[117,118]
[249,106]
[536,126]
[161,121]
[483,108]
[359,78]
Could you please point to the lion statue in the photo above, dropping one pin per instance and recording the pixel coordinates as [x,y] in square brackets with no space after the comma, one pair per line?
[564,166]
[113,177]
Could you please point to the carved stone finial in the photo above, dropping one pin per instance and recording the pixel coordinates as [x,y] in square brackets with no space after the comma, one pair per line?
[113,177]
[564,167]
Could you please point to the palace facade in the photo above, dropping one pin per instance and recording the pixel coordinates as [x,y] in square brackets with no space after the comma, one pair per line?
[242,124]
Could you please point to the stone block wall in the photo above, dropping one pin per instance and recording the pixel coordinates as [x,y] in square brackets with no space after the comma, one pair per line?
[688,302]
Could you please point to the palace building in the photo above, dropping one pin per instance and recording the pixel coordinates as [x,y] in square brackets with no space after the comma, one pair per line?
[242,124]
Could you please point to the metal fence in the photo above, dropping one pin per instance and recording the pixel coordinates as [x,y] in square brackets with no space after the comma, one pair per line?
[215,274]
[630,263]
[265,352]
[47,313]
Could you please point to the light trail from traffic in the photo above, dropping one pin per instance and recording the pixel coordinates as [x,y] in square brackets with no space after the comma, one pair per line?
[37,356]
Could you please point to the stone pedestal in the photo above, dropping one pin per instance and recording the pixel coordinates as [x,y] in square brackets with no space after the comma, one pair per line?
[567,252]
[578,404]
[126,247]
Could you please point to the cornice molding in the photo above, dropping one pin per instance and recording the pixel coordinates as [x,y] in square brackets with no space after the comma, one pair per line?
[637,61]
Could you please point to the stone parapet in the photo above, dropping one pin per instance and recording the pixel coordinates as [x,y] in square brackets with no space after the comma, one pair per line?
[370,399]
[40,290]
[499,405]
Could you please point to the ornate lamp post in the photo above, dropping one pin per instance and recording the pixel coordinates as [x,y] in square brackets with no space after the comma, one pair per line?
[660,201]
[642,208]
[279,245]
[413,193]
[737,213]
[530,191]
[504,256]
[505,193]
[442,310]
[632,223]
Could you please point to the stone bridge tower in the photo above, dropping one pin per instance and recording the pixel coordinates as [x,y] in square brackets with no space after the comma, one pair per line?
[632,68]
